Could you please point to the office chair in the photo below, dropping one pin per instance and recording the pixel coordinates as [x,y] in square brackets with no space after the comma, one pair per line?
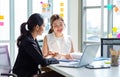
[5,64]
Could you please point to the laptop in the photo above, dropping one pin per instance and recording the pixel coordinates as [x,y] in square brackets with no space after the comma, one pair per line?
[87,57]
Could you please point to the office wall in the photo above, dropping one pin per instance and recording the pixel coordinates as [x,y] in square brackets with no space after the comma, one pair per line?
[74,19]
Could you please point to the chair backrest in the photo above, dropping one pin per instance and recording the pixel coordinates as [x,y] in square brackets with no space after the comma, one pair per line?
[5,58]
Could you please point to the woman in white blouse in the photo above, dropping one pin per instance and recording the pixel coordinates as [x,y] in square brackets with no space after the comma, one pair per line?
[56,44]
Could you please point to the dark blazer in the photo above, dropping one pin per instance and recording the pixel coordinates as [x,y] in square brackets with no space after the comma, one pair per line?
[29,57]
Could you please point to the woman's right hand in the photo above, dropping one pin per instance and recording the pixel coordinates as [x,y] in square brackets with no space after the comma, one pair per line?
[53,53]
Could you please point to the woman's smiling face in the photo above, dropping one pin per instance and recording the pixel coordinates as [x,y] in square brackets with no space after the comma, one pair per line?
[58,26]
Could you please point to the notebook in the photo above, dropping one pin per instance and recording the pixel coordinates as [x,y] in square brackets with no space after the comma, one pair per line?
[87,57]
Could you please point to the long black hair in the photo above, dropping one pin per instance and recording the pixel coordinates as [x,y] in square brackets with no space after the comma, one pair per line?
[27,27]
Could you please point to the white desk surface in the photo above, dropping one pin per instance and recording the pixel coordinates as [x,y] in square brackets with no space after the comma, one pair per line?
[84,72]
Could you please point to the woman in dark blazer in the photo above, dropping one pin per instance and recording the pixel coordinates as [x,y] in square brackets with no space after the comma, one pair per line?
[30,55]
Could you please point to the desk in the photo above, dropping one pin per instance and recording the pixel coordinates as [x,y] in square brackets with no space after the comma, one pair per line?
[84,72]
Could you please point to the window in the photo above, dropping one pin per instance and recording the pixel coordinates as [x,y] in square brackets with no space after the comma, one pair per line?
[93,3]
[4,21]
[93,25]
[99,17]
[20,17]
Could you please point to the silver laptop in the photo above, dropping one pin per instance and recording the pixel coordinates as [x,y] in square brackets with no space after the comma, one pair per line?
[87,57]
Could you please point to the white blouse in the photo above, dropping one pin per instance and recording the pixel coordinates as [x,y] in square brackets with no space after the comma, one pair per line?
[61,44]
